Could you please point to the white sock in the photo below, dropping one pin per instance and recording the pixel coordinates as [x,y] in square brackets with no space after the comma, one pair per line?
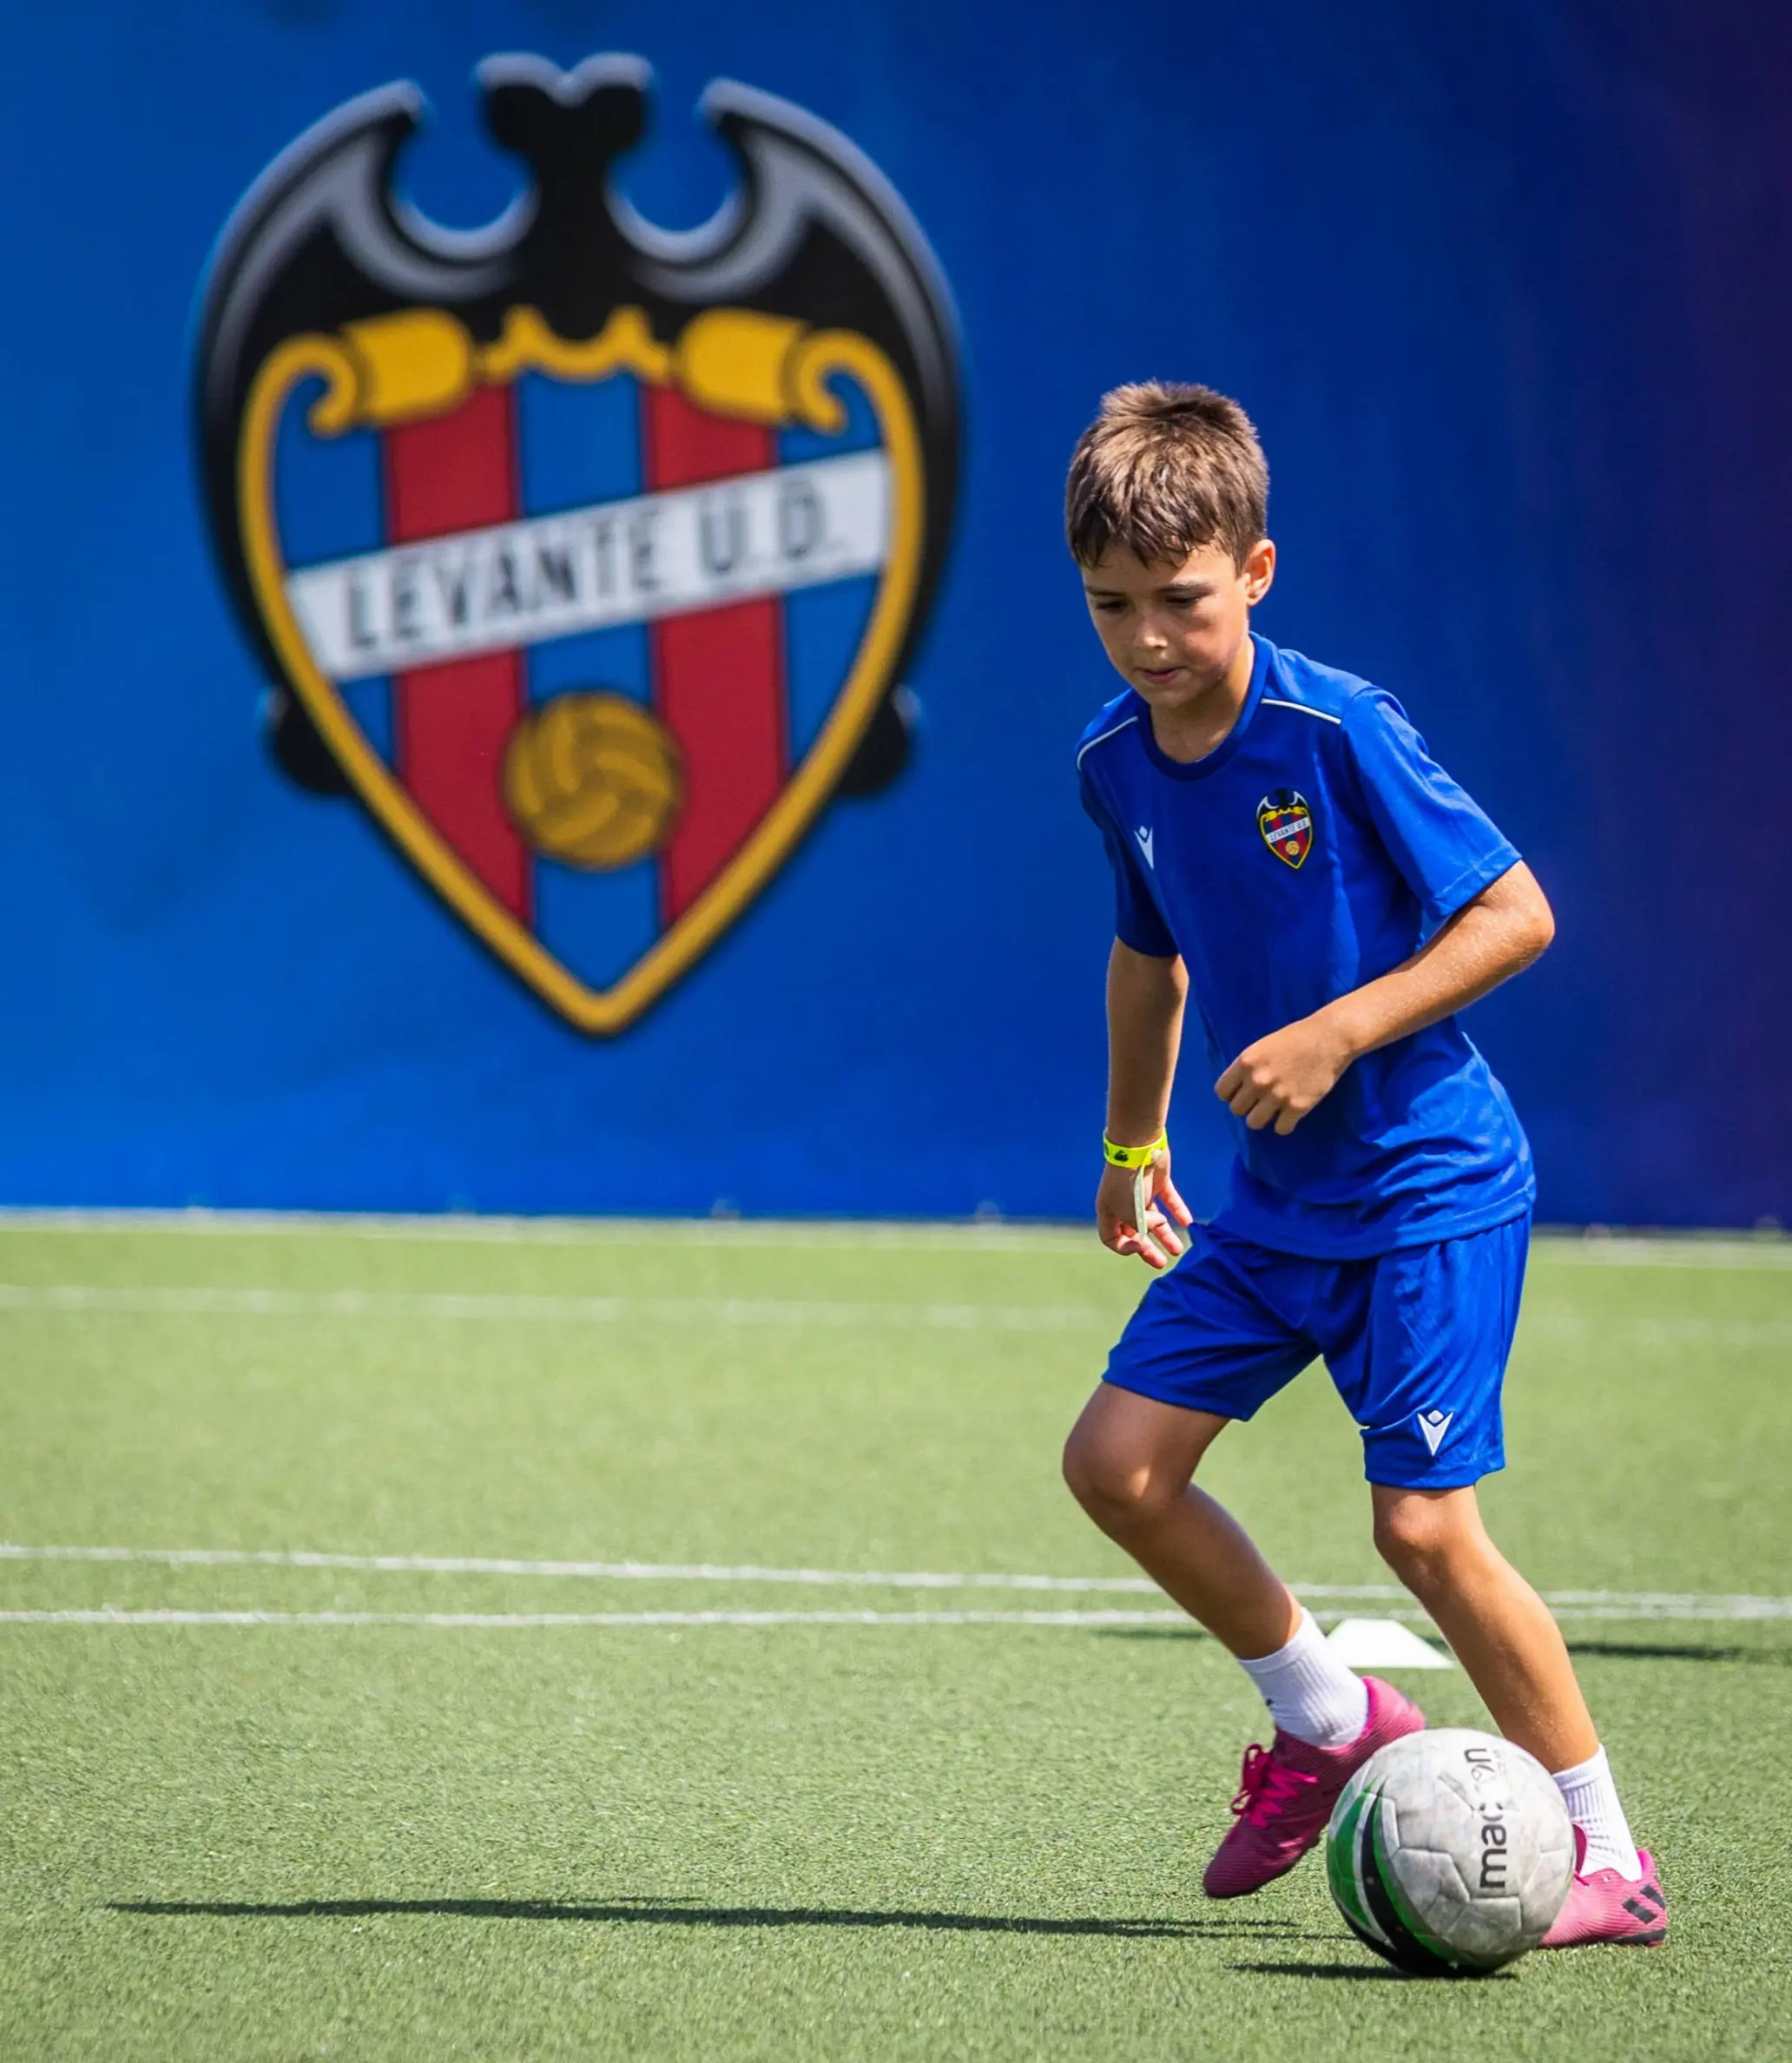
[1592,1798]
[1309,1692]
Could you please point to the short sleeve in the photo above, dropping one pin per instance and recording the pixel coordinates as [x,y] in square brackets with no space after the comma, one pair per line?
[1445,848]
[1137,922]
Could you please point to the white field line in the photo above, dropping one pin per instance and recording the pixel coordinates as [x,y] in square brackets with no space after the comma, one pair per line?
[111,1615]
[108,1615]
[1574,1604]
[797,1313]
[434,1565]
[1047,1239]
[836,1234]
[145,1301]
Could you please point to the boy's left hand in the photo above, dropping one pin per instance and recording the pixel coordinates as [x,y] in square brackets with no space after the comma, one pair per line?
[1278,1080]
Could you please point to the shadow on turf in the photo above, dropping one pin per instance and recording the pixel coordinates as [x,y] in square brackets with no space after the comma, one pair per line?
[1662,1650]
[1616,1650]
[1151,1633]
[1375,1972]
[675,1912]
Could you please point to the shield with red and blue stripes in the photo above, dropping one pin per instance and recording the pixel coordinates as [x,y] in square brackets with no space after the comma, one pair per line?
[590,560]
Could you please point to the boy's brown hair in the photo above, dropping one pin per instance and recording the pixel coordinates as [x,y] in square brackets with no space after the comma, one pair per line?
[1163,469]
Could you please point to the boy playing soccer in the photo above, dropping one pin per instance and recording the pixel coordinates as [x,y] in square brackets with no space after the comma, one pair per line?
[1294,870]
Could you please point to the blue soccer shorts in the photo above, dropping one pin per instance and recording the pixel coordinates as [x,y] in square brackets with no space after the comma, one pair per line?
[1416,1341]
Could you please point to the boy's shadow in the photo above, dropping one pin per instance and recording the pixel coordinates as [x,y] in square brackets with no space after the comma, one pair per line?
[1374,1971]
[685,1913]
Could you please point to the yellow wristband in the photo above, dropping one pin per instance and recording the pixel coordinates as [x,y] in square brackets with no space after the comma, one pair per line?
[1133,1156]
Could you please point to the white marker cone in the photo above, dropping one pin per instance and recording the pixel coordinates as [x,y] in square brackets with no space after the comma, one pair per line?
[1383,1644]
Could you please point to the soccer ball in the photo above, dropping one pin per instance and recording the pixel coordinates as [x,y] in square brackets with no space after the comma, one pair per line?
[1450,1853]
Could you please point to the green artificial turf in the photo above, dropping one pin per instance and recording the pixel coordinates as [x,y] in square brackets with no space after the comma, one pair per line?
[797,1841]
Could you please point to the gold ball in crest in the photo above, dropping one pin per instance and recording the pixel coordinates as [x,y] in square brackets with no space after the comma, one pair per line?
[593,780]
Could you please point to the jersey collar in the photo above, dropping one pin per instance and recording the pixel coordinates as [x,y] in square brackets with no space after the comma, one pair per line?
[1199,769]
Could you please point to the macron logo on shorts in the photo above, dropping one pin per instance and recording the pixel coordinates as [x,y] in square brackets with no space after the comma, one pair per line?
[1434,1424]
[1145,838]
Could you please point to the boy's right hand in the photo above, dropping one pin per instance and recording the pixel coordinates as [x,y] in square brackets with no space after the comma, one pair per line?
[1115,1211]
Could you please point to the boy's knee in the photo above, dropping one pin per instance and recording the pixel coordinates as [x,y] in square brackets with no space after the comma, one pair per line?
[1120,1489]
[1417,1537]
[1089,1469]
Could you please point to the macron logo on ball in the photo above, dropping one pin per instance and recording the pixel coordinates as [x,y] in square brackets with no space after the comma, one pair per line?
[1433,1425]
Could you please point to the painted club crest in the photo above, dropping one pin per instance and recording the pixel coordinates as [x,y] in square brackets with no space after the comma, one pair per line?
[1287,825]
[588,556]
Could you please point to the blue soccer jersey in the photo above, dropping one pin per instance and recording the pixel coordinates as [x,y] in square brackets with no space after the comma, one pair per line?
[1316,847]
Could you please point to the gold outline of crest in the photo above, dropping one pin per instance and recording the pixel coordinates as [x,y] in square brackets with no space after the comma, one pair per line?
[421,362]
[1265,808]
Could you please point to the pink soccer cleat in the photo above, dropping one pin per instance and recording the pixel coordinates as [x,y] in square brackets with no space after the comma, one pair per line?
[1287,1792]
[1632,1912]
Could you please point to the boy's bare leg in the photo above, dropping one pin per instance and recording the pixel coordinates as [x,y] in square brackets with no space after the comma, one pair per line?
[1497,1625]
[1504,1636]
[1128,1462]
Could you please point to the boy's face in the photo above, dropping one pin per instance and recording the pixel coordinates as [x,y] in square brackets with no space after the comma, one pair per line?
[1174,630]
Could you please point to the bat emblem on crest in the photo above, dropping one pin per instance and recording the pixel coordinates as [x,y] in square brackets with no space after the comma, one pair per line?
[587,556]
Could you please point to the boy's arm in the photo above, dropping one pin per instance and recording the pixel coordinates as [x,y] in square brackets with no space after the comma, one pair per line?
[1145,998]
[1277,1080]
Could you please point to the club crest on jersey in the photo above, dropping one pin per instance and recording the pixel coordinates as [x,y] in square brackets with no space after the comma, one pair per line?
[1287,825]
[586,555]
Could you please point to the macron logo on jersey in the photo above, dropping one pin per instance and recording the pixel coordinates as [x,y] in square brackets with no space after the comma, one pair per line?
[1433,1425]
[1145,837]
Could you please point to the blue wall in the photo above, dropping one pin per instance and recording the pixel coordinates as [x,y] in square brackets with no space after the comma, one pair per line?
[1508,290]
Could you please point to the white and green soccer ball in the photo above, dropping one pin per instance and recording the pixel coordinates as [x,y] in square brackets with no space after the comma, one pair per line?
[1450,1853]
